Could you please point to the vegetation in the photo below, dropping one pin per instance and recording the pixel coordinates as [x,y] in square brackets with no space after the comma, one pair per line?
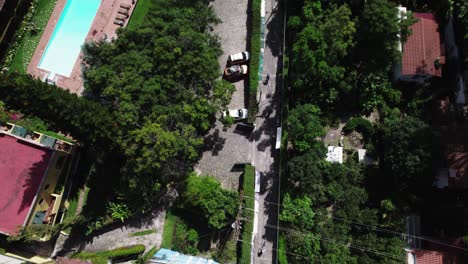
[138,15]
[150,97]
[169,228]
[255,45]
[248,190]
[204,196]
[102,257]
[227,254]
[341,53]
[29,34]
[143,233]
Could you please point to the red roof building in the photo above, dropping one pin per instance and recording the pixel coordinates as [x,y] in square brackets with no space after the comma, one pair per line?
[422,53]
[31,178]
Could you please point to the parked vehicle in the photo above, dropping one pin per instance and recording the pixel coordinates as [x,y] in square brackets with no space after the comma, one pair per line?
[238,58]
[235,70]
[237,114]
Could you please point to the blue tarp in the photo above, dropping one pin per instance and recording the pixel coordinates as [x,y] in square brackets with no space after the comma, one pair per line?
[173,257]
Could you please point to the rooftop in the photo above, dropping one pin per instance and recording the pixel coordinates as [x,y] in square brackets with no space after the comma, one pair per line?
[335,154]
[423,48]
[166,256]
[22,168]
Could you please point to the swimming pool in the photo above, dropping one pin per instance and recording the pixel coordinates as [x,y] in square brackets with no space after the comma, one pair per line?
[69,34]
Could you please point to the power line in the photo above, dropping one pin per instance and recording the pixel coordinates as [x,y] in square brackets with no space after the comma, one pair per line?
[335,241]
[380,229]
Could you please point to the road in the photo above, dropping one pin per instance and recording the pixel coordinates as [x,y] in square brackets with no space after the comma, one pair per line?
[264,155]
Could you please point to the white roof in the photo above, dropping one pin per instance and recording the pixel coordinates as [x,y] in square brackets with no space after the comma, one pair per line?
[335,154]
[9,260]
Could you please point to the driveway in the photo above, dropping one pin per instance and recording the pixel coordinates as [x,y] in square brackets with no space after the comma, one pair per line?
[224,148]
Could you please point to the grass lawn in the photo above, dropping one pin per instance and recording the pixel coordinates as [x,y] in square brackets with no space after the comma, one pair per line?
[143,233]
[169,228]
[29,42]
[139,13]
[102,257]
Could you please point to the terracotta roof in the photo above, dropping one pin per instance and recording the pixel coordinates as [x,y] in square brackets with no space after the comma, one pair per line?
[61,260]
[428,257]
[456,154]
[423,47]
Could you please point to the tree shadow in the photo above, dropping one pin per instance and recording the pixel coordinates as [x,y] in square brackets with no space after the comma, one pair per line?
[214,142]
[274,25]
[30,179]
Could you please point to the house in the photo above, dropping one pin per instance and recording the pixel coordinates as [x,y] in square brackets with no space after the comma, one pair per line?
[420,256]
[166,256]
[423,55]
[334,154]
[455,173]
[34,169]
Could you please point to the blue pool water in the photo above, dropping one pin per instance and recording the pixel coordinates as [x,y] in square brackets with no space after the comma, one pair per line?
[69,35]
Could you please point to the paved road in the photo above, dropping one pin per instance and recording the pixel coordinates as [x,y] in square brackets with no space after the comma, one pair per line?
[265,157]
[224,148]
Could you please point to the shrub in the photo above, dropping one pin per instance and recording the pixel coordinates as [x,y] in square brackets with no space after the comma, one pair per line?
[185,239]
[103,256]
[248,187]
[255,45]
[360,125]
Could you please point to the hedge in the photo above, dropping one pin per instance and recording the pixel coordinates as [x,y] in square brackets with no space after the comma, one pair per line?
[248,188]
[255,46]
[282,257]
[101,257]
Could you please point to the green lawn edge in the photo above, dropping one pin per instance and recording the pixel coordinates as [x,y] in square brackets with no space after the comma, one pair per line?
[29,42]
[248,188]
[169,228]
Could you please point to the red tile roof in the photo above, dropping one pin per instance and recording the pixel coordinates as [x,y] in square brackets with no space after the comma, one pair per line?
[456,154]
[428,257]
[22,167]
[423,47]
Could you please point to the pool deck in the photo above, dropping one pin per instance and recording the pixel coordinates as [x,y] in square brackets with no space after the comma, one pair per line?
[103,25]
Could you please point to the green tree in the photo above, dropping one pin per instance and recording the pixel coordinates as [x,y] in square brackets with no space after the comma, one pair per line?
[304,126]
[378,31]
[205,197]
[298,212]
[376,91]
[322,39]
[408,152]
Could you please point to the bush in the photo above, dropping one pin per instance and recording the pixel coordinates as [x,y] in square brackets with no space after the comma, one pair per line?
[255,45]
[248,187]
[185,239]
[101,257]
[360,125]
[282,257]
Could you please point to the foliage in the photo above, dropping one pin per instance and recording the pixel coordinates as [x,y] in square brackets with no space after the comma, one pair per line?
[159,79]
[204,196]
[376,91]
[248,188]
[407,151]
[119,211]
[228,121]
[322,39]
[143,233]
[254,51]
[379,30]
[185,239]
[169,228]
[101,257]
[228,253]
[28,35]
[297,212]
[145,257]
[305,126]
[360,125]
[34,233]
[85,120]
[139,12]
[282,257]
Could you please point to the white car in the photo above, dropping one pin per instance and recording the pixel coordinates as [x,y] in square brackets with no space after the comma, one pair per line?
[240,57]
[237,114]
